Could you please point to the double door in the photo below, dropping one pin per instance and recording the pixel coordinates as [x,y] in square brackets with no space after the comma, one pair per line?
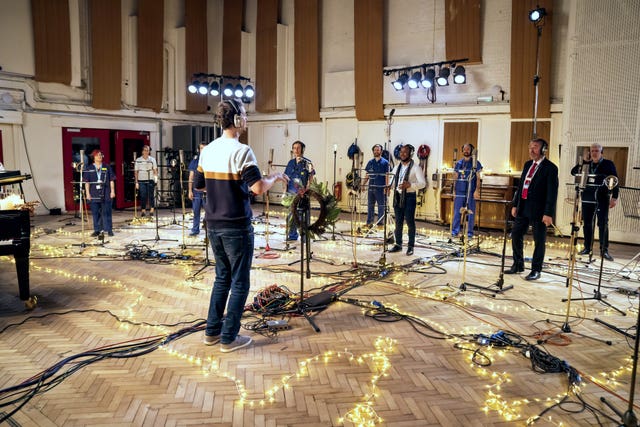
[120,149]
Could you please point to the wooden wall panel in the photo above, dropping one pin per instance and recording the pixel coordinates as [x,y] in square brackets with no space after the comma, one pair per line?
[232,37]
[195,20]
[150,53]
[456,134]
[368,29]
[307,54]
[521,133]
[51,40]
[524,35]
[267,55]
[106,54]
[463,30]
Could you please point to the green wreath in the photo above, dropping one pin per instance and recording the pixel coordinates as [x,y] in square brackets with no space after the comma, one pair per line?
[329,210]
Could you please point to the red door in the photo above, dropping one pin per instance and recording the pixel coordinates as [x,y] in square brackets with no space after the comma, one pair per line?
[127,148]
[77,146]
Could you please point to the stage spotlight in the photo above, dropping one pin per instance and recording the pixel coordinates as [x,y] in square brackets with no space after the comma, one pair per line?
[402,80]
[203,89]
[459,75]
[537,14]
[238,91]
[193,87]
[443,76]
[214,89]
[415,79]
[228,90]
[427,80]
[249,92]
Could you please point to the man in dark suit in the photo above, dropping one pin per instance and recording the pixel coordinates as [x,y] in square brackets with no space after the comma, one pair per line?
[596,200]
[533,203]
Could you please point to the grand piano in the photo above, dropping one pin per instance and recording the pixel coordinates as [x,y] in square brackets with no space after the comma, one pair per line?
[15,231]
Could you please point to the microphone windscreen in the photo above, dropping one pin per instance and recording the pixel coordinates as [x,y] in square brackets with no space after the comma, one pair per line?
[393,110]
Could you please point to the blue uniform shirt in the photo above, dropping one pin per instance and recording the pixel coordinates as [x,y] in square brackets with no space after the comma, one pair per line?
[193,167]
[100,181]
[377,171]
[464,170]
[302,171]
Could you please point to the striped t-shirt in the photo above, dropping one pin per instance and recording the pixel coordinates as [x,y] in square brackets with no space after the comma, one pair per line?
[226,170]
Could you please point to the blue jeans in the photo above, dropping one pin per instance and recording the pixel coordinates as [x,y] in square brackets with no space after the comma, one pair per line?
[375,195]
[101,213]
[197,207]
[459,202]
[146,194]
[406,213]
[233,252]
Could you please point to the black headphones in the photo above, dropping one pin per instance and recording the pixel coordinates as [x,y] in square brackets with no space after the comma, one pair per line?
[237,118]
[301,145]
[377,145]
[470,146]
[411,149]
[545,146]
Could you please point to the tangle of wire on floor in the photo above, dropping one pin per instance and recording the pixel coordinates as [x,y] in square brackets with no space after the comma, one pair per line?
[53,376]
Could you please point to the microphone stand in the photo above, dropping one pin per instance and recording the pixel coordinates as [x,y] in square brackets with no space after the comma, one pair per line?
[157,238]
[207,262]
[629,418]
[383,257]
[335,153]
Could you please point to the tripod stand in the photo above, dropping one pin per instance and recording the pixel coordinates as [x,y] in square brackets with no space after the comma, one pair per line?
[207,262]
[157,238]
[303,212]
[611,182]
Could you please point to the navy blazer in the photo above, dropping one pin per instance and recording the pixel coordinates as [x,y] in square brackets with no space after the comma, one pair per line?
[542,194]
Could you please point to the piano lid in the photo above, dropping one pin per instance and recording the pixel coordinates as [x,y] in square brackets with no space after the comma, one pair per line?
[12,177]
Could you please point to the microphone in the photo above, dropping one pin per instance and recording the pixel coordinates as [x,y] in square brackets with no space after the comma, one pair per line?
[455,155]
[81,157]
[583,175]
[474,159]
[181,156]
[393,110]
[610,182]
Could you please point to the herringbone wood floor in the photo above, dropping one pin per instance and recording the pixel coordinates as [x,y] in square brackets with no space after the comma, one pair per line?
[428,380]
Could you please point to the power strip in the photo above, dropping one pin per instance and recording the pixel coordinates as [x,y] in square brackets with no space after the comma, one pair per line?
[278,325]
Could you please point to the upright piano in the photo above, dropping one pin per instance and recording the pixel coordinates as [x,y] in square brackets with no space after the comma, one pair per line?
[15,231]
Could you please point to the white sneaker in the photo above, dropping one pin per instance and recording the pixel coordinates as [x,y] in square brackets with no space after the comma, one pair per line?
[238,343]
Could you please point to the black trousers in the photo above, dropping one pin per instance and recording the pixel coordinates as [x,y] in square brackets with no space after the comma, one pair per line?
[591,211]
[520,227]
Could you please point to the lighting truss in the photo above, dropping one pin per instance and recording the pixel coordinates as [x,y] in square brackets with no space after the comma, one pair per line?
[428,76]
[224,86]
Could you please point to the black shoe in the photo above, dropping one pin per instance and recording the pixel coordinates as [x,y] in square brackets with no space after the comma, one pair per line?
[514,269]
[395,248]
[585,251]
[110,233]
[95,234]
[409,251]
[606,256]
[534,275]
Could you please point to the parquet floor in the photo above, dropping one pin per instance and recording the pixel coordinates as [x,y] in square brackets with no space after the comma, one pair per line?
[360,368]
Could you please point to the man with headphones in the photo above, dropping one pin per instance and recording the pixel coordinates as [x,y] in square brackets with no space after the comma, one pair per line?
[300,172]
[534,203]
[377,170]
[465,189]
[227,171]
[407,180]
[595,199]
